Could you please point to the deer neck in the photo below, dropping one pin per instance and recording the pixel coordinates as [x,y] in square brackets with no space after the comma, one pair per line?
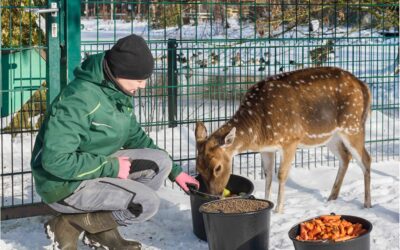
[245,138]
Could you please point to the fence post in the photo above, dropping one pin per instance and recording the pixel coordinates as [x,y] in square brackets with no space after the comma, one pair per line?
[72,34]
[53,53]
[172,83]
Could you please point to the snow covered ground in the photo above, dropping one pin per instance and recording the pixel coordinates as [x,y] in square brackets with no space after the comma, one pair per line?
[306,195]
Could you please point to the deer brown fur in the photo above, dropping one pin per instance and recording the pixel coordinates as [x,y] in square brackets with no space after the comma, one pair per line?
[304,108]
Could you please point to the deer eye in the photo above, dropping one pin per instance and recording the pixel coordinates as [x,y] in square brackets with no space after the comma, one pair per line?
[218,168]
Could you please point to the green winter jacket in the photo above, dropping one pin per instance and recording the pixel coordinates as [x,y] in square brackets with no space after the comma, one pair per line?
[90,120]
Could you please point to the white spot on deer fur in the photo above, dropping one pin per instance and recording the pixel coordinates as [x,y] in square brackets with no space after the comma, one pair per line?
[250,130]
[323,135]
[262,98]
[257,89]
[241,132]
[268,126]
[272,105]
[269,112]
[278,124]
[250,112]
[248,104]
[297,82]
[262,115]
[312,77]
[275,134]
[337,76]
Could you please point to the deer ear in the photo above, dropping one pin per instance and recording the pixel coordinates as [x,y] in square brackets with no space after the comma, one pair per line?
[230,137]
[201,131]
[217,171]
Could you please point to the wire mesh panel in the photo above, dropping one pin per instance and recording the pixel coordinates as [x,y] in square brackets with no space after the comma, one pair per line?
[23,97]
[207,54]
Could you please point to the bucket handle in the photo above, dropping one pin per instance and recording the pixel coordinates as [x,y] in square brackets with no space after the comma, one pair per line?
[193,189]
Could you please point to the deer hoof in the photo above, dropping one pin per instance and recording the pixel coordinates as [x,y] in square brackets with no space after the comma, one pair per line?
[367,205]
[332,197]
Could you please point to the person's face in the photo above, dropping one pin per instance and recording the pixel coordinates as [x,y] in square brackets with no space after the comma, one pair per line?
[130,86]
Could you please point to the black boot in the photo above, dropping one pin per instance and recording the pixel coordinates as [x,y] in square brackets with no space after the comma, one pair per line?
[111,240]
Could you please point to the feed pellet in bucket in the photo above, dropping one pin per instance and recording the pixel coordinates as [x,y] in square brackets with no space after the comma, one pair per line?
[235,206]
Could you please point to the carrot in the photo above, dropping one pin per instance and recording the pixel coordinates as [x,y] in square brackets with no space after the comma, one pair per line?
[330,217]
[329,227]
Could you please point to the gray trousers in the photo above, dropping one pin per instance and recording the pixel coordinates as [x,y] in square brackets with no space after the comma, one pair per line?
[131,200]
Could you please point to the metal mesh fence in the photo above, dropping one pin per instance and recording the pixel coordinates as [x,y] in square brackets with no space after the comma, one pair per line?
[23,97]
[208,54]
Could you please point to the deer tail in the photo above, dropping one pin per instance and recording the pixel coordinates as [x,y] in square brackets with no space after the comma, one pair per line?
[367,101]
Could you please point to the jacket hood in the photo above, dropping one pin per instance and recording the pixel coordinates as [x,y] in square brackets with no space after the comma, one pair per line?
[91,70]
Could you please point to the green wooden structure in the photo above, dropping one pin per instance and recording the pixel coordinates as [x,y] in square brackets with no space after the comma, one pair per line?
[22,73]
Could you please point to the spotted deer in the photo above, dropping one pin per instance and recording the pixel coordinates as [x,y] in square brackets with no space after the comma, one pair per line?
[304,108]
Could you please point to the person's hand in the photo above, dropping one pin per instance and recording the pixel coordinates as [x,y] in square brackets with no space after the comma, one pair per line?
[124,167]
[183,179]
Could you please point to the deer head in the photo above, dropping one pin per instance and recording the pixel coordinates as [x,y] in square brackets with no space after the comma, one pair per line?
[214,158]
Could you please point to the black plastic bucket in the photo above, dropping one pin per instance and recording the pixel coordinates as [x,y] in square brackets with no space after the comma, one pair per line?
[241,231]
[359,243]
[236,184]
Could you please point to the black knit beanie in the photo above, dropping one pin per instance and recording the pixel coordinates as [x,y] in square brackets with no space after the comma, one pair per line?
[130,58]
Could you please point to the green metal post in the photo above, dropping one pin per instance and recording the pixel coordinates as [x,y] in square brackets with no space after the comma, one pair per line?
[71,43]
[53,53]
[73,32]
[172,83]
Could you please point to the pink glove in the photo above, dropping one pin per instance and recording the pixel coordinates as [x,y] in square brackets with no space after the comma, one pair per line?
[183,179]
[124,167]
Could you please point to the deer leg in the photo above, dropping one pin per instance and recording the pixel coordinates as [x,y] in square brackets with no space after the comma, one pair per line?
[268,162]
[288,154]
[355,144]
[337,147]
